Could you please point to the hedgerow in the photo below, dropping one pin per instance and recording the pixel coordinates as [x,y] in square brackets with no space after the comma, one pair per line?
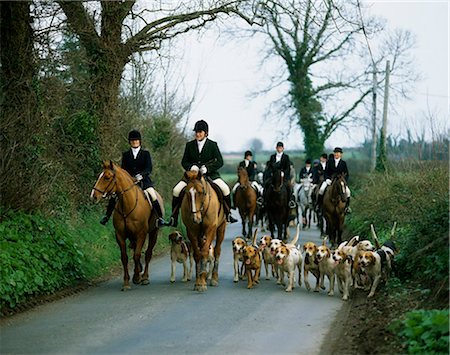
[40,255]
[417,199]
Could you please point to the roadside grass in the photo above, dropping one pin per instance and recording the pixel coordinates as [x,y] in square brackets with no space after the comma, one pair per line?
[41,255]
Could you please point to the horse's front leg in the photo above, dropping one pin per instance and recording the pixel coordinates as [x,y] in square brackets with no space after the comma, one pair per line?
[153,235]
[124,258]
[137,259]
[220,235]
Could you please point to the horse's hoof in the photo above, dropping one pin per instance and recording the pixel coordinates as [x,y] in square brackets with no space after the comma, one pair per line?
[214,283]
[172,281]
[200,288]
[145,282]
[125,288]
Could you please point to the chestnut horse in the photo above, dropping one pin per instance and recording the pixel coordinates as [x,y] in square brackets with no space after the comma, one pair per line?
[334,200]
[245,201]
[276,200]
[132,219]
[204,218]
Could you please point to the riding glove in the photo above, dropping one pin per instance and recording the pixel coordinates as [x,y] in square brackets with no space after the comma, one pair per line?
[194,168]
[203,169]
[139,177]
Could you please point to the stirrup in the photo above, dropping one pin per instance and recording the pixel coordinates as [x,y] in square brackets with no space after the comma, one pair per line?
[104,220]
[231,219]
[292,204]
[348,210]
[259,201]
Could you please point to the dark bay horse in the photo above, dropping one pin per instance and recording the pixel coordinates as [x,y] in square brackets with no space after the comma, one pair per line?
[276,200]
[245,201]
[204,218]
[334,201]
[132,219]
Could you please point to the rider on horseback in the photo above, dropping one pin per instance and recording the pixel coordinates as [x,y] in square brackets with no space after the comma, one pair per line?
[280,161]
[201,154]
[138,163]
[250,165]
[333,168]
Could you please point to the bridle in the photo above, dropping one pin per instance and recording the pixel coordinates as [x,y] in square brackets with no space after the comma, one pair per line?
[205,191]
[110,192]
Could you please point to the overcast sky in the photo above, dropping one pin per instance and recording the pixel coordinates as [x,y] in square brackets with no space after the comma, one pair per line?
[227,73]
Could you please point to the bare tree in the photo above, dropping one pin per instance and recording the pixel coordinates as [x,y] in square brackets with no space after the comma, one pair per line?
[105,32]
[324,61]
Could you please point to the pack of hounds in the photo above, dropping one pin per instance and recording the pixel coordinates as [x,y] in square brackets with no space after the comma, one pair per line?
[354,264]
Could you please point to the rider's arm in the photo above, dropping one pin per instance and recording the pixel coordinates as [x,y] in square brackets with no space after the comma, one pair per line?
[148,166]
[217,162]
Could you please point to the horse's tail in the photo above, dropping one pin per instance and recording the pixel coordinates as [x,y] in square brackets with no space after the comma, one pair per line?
[374,235]
[295,240]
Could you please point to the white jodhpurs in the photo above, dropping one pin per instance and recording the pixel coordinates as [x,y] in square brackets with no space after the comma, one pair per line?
[219,182]
[152,193]
[257,187]
[325,184]
[236,185]
[178,187]
[223,186]
[323,187]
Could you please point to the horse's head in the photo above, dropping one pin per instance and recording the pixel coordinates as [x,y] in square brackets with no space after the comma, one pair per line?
[197,194]
[338,187]
[277,180]
[106,183]
[242,177]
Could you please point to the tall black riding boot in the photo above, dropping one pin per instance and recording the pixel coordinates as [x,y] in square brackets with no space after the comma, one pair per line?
[159,219]
[319,200]
[109,210]
[176,202]
[227,205]
[348,210]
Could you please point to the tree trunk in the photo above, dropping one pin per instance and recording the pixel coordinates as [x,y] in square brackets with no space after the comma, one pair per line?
[19,123]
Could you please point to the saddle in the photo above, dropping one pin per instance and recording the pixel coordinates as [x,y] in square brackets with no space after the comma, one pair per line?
[217,189]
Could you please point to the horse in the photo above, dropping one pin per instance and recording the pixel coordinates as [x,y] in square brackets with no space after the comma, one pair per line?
[245,201]
[276,200]
[133,219]
[304,201]
[334,201]
[204,218]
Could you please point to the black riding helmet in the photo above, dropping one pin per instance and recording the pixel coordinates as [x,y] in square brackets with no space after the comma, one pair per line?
[134,135]
[247,153]
[201,126]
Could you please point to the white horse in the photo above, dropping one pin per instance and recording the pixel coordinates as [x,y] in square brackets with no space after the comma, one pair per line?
[304,201]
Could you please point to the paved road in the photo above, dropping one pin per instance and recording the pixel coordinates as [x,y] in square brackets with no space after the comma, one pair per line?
[165,318]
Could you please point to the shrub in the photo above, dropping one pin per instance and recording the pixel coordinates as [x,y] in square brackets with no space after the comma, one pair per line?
[417,198]
[424,331]
[41,255]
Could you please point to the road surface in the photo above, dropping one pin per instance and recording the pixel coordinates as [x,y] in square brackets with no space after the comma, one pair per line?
[165,318]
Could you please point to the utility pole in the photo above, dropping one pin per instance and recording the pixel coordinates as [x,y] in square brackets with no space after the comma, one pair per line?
[381,164]
[373,156]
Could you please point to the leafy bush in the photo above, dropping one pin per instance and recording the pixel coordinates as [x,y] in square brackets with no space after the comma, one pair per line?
[417,199]
[41,255]
[424,331]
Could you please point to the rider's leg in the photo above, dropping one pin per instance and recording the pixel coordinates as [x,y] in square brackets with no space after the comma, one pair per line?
[347,204]
[152,193]
[259,192]
[227,198]
[176,203]
[109,210]
[321,192]
[233,193]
